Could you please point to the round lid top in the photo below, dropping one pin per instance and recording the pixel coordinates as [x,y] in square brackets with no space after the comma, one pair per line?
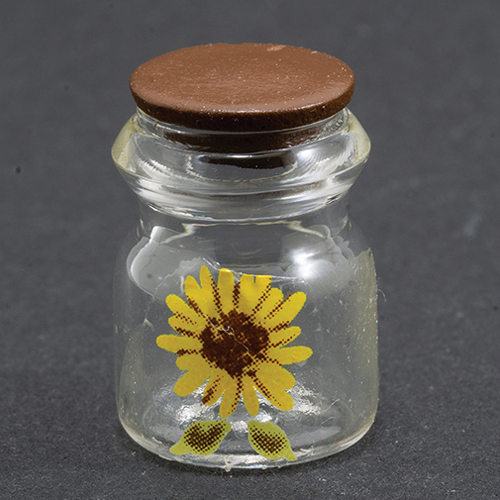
[242,88]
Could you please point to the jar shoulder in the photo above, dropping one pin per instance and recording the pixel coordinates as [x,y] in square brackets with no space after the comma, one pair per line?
[313,253]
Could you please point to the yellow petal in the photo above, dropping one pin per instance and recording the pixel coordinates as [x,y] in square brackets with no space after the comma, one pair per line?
[289,355]
[190,381]
[192,360]
[252,292]
[195,294]
[268,440]
[213,304]
[226,290]
[230,399]
[272,372]
[174,343]
[202,437]
[282,316]
[186,329]
[284,337]
[214,389]
[191,287]
[183,311]
[250,396]
[274,394]
[245,292]
[271,302]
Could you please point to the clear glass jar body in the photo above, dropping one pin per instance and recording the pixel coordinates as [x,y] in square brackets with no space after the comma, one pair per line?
[206,213]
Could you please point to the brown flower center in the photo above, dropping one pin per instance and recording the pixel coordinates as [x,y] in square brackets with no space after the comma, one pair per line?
[233,342]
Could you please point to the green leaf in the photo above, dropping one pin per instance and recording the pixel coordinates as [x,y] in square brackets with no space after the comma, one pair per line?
[202,438]
[269,440]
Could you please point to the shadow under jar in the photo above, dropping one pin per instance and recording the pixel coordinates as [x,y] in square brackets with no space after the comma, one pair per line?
[245,299]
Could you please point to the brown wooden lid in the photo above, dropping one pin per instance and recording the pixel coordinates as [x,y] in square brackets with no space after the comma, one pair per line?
[242,88]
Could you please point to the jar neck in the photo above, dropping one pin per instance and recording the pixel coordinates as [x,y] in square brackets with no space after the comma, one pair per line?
[240,177]
[158,225]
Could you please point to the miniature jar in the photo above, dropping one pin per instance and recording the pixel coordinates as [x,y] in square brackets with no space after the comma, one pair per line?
[245,299]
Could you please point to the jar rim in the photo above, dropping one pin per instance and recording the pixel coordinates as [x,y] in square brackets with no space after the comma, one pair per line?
[244,142]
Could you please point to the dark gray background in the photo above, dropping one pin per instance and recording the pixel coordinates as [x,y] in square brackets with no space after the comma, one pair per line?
[427,93]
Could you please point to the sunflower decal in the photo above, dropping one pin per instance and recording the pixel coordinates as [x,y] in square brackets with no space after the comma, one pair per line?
[234,334]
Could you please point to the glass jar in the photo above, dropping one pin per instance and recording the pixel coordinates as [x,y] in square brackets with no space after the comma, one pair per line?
[245,299]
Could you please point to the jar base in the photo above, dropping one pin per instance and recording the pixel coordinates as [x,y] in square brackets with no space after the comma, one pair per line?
[230,461]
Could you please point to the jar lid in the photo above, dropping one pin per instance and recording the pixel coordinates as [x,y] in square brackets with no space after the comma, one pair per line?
[247,87]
